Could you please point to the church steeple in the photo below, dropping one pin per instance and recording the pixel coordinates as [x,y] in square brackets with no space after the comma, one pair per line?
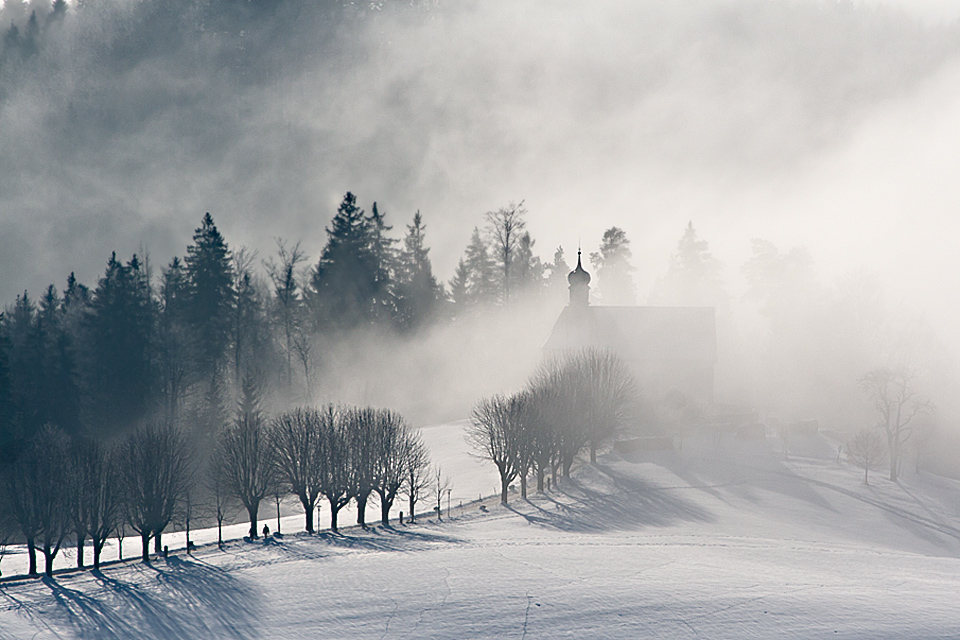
[579,281]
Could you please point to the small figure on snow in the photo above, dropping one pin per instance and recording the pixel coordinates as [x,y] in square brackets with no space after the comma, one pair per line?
[401,518]
[266,531]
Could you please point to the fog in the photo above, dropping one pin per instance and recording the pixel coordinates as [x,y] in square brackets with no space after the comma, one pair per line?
[826,125]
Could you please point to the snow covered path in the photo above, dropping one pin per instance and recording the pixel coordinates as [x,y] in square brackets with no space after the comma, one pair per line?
[734,544]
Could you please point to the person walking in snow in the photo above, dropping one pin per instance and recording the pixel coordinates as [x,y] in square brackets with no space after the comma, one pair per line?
[266,531]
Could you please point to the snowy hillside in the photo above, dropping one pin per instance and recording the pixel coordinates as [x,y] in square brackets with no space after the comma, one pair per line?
[720,540]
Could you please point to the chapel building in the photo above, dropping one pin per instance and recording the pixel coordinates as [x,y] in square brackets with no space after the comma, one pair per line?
[669,350]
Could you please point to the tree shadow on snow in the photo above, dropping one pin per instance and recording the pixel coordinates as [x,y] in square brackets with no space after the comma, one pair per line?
[381,538]
[623,503]
[185,599]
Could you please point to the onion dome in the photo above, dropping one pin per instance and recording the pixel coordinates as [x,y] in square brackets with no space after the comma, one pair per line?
[578,276]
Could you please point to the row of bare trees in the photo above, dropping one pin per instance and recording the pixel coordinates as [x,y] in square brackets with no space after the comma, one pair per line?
[55,487]
[342,454]
[574,402]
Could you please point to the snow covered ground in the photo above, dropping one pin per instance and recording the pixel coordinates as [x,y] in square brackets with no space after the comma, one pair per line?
[720,540]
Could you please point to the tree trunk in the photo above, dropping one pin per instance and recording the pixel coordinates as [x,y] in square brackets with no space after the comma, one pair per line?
[385,511]
[157,547]
[523,486]
[504,485]
[145,547]
[539,479]
[334,509]
[32,553]
[97,548]
[252,512]
[48,556]
[80,540]
[362,511]
[413,504]
[307,513]
[893,462]
[278,515]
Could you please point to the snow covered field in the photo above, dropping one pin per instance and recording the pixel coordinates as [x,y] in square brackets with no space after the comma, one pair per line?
[720,540]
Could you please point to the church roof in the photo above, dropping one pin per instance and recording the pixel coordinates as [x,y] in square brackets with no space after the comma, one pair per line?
[638,333]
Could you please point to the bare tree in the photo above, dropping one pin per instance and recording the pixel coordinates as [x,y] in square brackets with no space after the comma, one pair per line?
[416,478]
[866,451]
[561,389]
[21,488]
[493,433]
[155,470]
[6,532]
[394,442]
[542,414]
[245,456]
[361,430]
[8,525]
[219,496]
[608,394]
[337,480]
[505,226]
[441,485]
[97,505]
[287,297]
[897,404]
[298,453]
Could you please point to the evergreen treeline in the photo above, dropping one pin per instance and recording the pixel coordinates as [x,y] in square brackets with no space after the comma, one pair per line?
[174,346]
[115,399]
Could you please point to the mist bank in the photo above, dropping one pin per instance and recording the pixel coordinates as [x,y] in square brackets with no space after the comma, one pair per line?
[133,118]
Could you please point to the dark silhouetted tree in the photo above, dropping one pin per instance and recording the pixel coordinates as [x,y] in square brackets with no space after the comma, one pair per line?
[210,299]
[155,468]
[298,450]
[246,457]
[418,292]
[121,333]
[493,433]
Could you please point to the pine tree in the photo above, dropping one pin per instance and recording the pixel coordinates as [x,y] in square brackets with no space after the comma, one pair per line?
[460,287]
[347,287]
[557,273]
[210,299]
[612,261]
[528,269]
[384,256]
[8,428]
[418,292]
[693,275]
[481,283]
[174,366]
[121,330]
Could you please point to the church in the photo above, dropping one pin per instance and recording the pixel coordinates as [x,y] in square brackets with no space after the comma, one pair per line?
[669,350]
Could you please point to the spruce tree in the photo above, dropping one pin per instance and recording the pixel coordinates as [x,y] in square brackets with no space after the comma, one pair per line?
[418,290]
[460,287]
[614,271]
[693,275]
[210,299]
[347,283]
[481,284]
[121,330]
